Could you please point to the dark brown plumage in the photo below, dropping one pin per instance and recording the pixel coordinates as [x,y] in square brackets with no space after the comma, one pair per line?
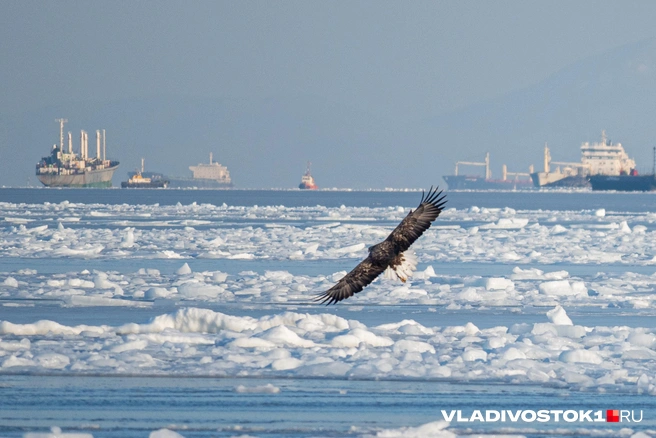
[388,253]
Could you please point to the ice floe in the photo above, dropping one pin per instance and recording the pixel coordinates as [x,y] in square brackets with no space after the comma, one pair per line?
[540,250]
[202,342]
[299,233]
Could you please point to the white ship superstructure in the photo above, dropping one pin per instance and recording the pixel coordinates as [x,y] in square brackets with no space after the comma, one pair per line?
[602,158]
[212,171]
[68,169]
[606,158]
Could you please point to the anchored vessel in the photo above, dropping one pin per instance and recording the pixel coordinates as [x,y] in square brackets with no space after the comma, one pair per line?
[626,181]
[569,175]
[509,180]
[138,181]
[68,169]
[598,160]
[307,182]
[204,176]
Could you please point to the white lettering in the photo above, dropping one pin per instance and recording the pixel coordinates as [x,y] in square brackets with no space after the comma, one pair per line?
[543,416]
[489,414]
[515,417]
[633,417]
[448,418]
[624,414]
[477,416]
[556,414]
[585,415]
[528,416]
[570,416]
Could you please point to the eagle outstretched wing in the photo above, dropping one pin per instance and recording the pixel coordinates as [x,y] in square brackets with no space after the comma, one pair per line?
[352,283]
[409,230]
[419,220]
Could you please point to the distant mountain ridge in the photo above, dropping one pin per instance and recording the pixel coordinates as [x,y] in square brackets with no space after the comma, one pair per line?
[612,91]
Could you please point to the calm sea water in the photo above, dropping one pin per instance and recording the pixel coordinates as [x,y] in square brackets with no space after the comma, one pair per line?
[520,200]
[131,407]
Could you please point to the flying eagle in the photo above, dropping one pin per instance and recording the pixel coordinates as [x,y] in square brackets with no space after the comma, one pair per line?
[391,255]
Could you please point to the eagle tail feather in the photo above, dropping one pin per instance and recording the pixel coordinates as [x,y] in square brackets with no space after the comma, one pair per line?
[402,267]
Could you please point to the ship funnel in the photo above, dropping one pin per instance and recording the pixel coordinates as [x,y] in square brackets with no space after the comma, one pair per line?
[104,146]
[70,143]
[61,133]
[488,173]
[98,156]
[83,148]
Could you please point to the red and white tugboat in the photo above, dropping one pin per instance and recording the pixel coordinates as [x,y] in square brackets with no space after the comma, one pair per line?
[307,182]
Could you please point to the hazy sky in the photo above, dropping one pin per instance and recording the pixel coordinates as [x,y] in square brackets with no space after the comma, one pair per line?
[398,57]
[397,60]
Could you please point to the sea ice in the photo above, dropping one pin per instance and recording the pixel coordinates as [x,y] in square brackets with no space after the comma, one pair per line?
[436,429]
[558,316]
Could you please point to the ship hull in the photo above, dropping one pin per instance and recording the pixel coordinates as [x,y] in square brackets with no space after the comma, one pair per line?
[186,183]
[304,186]
[464,182]
[198,183]
[624,183]
[554,179]
[94,178]
[150,185]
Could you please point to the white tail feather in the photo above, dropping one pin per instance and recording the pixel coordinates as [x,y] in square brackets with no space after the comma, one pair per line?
[405,269]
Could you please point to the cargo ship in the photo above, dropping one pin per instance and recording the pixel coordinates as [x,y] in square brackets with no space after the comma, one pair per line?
[307,181]
[138,181]
[599,159]
[569,175]
[204,176]
[68,169]
[509,180]
[629,181]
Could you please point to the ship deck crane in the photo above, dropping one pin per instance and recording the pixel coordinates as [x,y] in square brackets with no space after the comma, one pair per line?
[548,162]
[506,174]
[486,163]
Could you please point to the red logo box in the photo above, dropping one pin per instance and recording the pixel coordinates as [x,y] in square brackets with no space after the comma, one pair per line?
[612,416]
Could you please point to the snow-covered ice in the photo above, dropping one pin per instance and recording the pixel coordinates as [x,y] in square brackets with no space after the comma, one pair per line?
[554,261]
[195,341]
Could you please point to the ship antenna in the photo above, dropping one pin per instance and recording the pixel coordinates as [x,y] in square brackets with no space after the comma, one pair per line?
[653,169]
[61,133]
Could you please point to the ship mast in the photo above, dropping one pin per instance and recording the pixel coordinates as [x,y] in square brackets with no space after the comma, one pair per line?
[61,133]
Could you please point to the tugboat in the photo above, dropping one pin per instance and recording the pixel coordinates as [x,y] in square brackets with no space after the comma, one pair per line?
[138,181]
[307,182]
[64,168]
